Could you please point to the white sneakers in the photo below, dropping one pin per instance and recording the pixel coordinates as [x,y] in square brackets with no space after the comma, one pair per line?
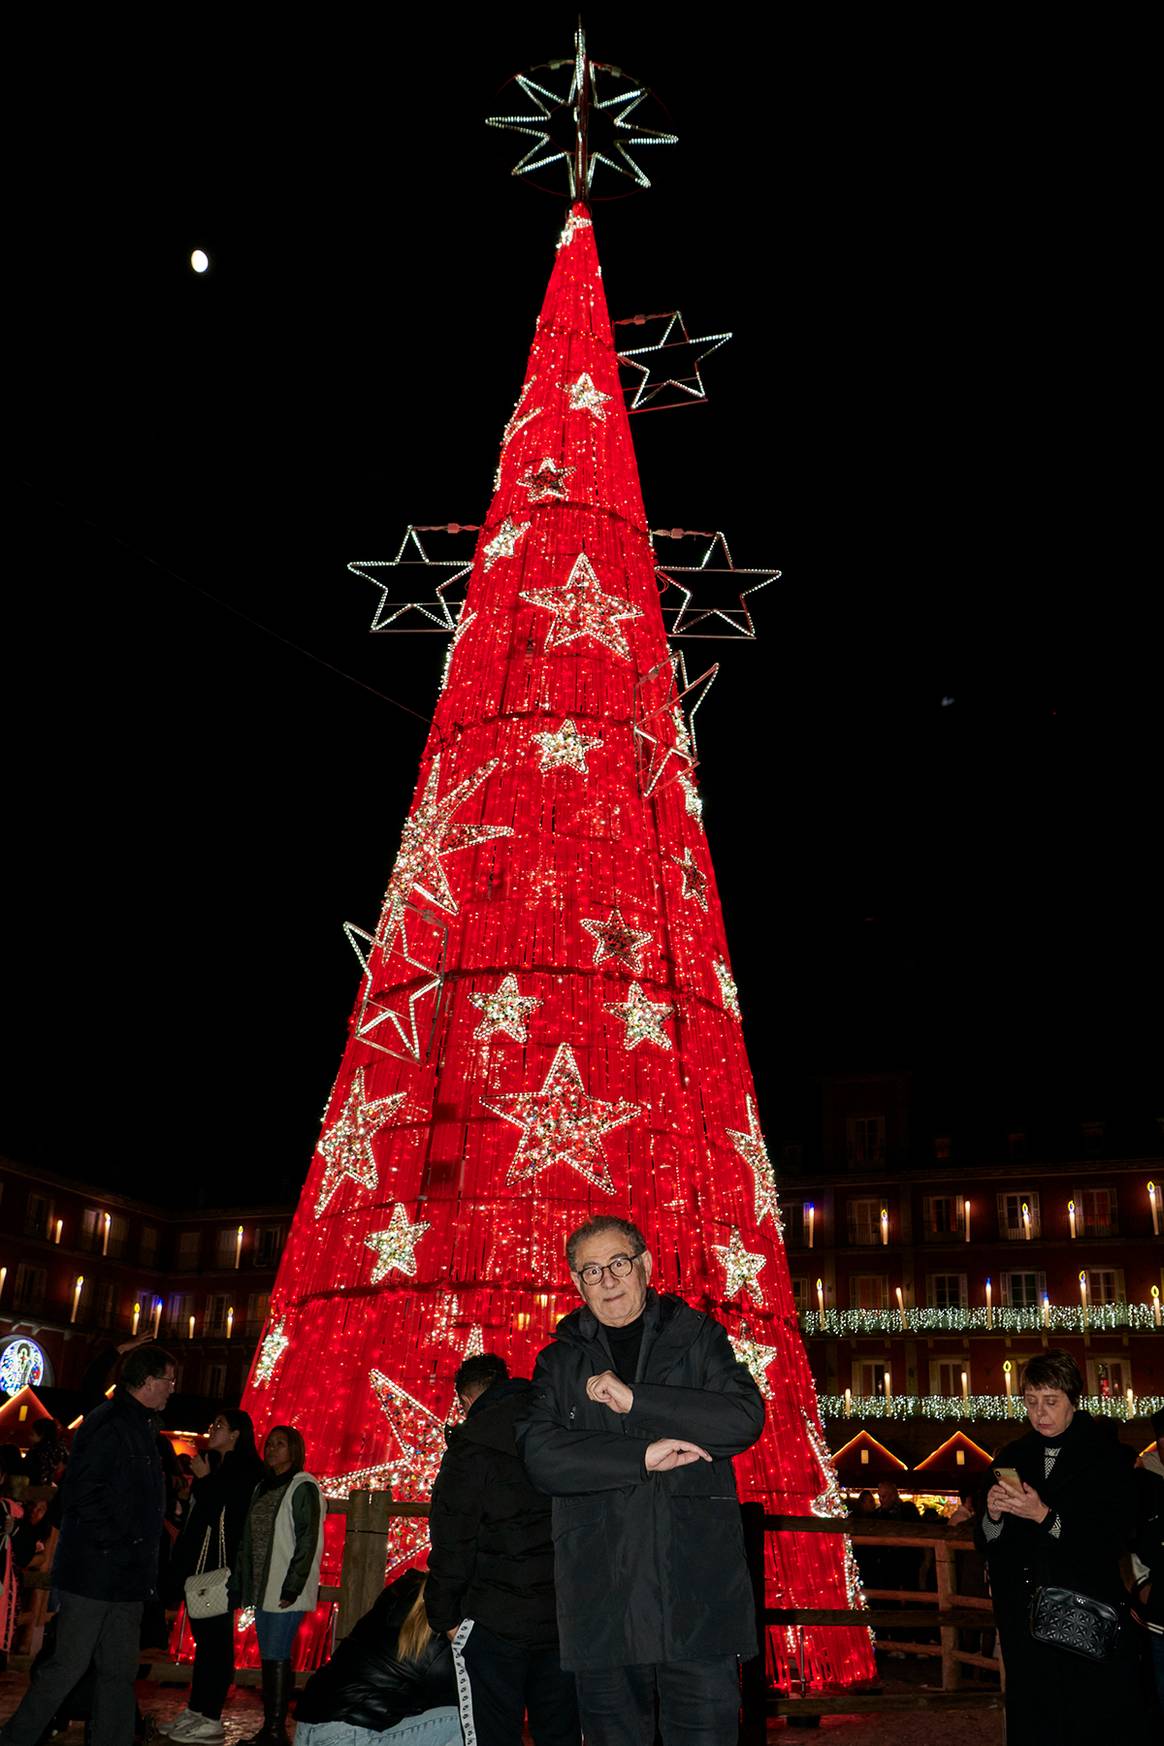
[191,1728]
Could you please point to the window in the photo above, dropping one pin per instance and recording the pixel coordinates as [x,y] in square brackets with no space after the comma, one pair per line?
[1022,1290]
[947,1290]
[946,1376]
[869,1375]
[800,1294]
[865,1137]
[1109,1377]
[941,1147]
[106,1302]
[942,1215]
[178,1312]
[29,1287]
[1011,1223]
[1105,1285]
[214,1381]
[1098,1207]
[226,1247]
[216,1308]
[868,1291]
[92,1228]
[36,1216]
[795,1223]
[189,1244]
[259,1304]
[268,1242]
[865,1221]
[148,1245]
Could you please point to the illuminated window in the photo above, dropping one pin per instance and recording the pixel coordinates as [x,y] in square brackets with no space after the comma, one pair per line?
[189,1246]
[942,1215]
[1098,1209]
[869,1375]
[947,1291]
[946,1376]
[1110,1378]
[268,1242]
[1011,1223]
[800,1294]
[226,1247]
[864,1217]
[865,1139]
[868,1291]
[1022,1290]
[1105,1284]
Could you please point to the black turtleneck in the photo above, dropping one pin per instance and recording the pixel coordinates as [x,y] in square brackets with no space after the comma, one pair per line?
[625,1345]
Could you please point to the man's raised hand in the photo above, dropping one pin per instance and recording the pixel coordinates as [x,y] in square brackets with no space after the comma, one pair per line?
[611,1391]
[669,1452]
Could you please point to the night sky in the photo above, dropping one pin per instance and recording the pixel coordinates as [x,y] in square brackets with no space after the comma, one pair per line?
[931,785]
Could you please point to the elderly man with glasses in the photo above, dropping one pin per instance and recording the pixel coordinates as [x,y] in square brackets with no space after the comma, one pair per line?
[638,1408]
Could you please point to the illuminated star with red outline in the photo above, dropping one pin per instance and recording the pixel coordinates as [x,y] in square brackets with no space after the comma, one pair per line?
[566,748]
[583,396]
[694,878]
[613,938]
[346,1147]
[504,541]
[545,481]
[506,1009]
[757,1358]
[396,1246]
[581,609]
[562,1124]
[741,1269]
[429,834]
[644,1019]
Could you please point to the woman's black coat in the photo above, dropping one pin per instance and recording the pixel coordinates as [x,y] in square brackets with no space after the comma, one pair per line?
[366,1685]
[649,1567]
[1055,1698]
[228,1487]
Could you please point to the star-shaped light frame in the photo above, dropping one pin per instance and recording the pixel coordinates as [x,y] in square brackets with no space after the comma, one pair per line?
[754,1152]
[694,878]
[643,1019]
[581,609]
[723,612]
[546,481]
[615,938]
[650,392]
[346,1146]
[583,396]
[506,1009]
[565,748]
[741,1269]
[505,541]
[561,1124]
[757,1358]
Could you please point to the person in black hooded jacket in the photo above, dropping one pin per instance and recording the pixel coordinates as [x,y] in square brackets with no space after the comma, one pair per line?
[491,1571]
[392,1672]
[1067,1527]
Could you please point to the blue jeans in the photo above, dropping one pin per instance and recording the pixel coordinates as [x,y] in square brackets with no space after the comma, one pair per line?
[277,1632]
[434,1728]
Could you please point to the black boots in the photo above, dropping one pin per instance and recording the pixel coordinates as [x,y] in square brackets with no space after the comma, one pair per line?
[278,1684]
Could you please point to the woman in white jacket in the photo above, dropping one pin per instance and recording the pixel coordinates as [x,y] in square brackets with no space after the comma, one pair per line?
[278,1573]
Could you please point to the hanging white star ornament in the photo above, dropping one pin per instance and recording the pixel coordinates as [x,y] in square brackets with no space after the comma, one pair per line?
[346,1147]
[396,1246]
[566,748]
[694,878]
[562,1124]
[756,1357]
[583,396]
[504,541]
[753,1151]
[275,1343]
[507,1009]
[545,481]
[741,1268]
[429,834]
[644,1019]
[581,609]
[727,989]
[613,938]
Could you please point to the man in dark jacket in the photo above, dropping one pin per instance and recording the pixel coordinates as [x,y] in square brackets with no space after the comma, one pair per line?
[491,1571]
[638,1408]
[112,1508]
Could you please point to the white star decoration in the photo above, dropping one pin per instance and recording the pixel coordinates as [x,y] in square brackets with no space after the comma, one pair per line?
[694,878]
[505,1010]
[429,833]
[756,1357]
[692,800]
[504,541]
[561,1124]
[346,1147]
[566,748]
[581,609]
[396,1246]
[545,481]
[275,1343]
[614,939]
[583,396]
[753,1151]
[727,988]
[740,1267]
[644,1019]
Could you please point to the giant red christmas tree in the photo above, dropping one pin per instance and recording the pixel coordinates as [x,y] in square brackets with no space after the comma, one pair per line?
[548,1026]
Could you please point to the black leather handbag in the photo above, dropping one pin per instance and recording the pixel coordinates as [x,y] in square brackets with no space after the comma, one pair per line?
[1067,1620]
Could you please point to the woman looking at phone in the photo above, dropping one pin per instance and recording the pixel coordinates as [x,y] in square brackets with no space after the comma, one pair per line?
[1060,1514]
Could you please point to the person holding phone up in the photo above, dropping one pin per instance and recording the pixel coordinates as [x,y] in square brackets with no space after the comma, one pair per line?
[1059,1515]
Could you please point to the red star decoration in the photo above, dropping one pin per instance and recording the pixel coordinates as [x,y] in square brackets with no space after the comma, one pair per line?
[561,1124]
[581,609]
[614,939]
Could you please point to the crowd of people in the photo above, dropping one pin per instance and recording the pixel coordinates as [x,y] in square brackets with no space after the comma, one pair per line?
[586,1570]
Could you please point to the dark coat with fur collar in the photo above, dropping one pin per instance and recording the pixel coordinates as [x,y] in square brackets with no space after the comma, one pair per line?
[649,1566]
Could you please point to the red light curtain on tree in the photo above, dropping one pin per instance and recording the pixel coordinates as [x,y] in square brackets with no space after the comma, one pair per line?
[548,1027]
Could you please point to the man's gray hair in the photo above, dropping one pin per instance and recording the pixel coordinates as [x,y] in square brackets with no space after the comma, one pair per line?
[595,1227]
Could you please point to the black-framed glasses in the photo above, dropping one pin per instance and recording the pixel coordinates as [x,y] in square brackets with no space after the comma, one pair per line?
[618,1268]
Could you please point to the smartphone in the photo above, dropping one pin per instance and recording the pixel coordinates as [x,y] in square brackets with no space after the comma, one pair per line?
[1008,1476]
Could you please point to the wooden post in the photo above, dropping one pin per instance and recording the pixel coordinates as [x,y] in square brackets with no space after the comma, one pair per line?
[365,1556]
[944,1571]
[753,1689]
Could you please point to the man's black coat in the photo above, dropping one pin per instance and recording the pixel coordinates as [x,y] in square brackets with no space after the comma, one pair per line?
[492,1556]
[649,1567]
[112,1505]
